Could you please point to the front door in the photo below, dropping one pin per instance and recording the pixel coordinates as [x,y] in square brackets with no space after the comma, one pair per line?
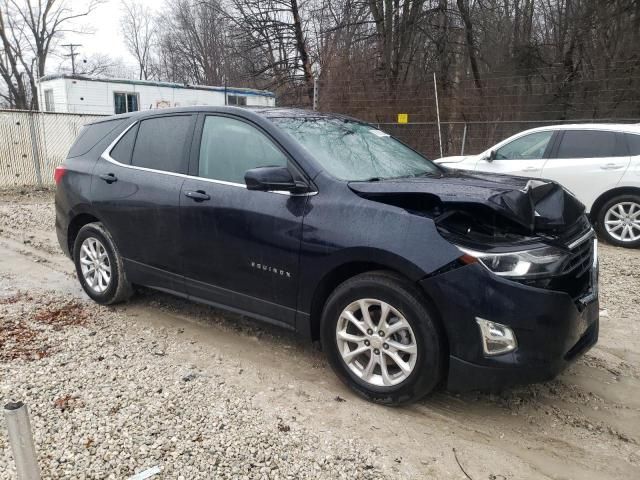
[136,193]
[524,156]
[240,247]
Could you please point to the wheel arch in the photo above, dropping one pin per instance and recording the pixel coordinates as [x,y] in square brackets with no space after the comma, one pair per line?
[77,222]
[341,273]
[608,195]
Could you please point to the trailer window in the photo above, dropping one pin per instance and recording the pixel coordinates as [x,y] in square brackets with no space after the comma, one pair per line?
[49,104]
[236,100]
[125,102]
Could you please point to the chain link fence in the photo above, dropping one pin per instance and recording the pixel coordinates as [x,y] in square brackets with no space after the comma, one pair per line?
[468,138]
[451,117]
[33,144]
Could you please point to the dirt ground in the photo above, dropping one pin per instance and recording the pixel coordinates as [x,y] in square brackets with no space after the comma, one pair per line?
[583,425]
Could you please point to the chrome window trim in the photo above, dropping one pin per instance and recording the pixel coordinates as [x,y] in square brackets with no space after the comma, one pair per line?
[106,155]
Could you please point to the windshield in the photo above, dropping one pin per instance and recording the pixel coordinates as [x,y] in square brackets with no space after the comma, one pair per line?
[354,151]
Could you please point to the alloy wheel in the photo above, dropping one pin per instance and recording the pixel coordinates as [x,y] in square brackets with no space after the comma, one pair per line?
[622,221]
[376,342]
[95,265]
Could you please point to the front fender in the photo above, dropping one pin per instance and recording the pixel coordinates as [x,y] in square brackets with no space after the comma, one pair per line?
[339,230]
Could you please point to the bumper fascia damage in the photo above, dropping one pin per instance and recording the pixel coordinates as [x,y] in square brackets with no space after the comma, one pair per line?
[552,328]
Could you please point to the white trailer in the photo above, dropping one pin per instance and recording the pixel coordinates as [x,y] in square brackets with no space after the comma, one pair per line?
[108,96]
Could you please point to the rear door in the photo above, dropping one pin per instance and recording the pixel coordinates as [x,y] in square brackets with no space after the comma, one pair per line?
[136,193]
[525,156]
[588,162]
[240,247]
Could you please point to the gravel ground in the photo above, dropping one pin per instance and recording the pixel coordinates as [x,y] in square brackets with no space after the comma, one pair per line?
[203,394]
[108,402]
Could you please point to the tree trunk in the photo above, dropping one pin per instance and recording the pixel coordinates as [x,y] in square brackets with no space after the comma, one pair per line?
[471,49]
[302,49]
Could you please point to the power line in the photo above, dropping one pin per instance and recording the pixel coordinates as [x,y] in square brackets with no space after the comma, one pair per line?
[72,54]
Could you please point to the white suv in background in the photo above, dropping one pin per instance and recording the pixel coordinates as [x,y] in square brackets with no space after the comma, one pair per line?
[598,163]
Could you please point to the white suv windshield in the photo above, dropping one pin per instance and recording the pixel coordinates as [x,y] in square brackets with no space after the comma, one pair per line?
[354,151]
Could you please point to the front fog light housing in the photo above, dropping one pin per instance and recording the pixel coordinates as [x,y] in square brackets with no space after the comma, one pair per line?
[496,338]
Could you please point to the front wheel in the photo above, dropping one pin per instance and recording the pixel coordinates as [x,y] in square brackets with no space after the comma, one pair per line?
[99,265]
[618,221]
[381,338]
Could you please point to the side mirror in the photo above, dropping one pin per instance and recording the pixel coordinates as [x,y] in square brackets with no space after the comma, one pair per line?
[491,157]
[267,179]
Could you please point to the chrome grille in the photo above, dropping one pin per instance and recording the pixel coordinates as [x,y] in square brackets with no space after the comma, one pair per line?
[581,259]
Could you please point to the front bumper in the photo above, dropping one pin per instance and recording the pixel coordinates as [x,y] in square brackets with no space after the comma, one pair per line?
[551,328]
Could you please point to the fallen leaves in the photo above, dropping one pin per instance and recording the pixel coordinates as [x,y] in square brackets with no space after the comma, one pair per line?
[68,402]
[23,334]
[58,315]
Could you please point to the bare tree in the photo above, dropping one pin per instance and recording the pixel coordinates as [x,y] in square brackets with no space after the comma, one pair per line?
[194,44]
[465,13]
[139,31]
[28,31]
[274,33]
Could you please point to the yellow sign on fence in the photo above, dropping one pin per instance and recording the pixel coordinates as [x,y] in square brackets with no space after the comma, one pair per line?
[403,118]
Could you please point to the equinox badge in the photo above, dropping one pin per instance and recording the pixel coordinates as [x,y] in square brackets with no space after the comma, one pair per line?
[267,268]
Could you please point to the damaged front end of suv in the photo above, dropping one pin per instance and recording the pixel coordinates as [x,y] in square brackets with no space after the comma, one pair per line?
[521,302]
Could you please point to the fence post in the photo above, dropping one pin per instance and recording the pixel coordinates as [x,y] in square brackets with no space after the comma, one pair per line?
[21,440]
[464,139]
[315,93]
[35,147]
[435,89]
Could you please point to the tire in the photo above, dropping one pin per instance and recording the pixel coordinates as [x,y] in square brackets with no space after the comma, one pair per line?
[612,211]
[424,337]
[97,239]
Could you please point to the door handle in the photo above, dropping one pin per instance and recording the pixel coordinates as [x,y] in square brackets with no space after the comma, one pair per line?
[198,195]
[529,169]
[109,177]
[611,166]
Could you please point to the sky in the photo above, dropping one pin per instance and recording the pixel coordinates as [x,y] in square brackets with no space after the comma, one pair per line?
[106,38]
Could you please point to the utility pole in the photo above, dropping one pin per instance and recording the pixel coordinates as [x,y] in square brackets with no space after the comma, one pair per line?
[72,54]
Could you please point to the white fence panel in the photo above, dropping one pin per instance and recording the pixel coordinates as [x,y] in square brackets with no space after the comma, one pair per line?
[33,144]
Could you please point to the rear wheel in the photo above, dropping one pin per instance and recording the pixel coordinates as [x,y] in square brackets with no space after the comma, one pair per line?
[99,265]
[381,338]
[618,221]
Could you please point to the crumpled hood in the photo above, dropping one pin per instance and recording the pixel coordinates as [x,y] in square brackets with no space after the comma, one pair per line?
[534,204]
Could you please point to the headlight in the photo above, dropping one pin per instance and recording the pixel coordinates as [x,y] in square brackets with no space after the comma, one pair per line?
[538,262]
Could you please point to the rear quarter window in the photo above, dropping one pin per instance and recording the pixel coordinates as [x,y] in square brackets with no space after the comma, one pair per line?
[124,148]
[588,144]
[91,134]
[634,144]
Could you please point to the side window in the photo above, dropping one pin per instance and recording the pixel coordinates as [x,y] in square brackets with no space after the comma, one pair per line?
[124,148]
[587,144]
[230,147]
[160,143]
[91,134]
[529,147]
[634,144]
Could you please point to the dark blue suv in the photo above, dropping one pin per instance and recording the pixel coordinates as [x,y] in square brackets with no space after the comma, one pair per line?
[409,274]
